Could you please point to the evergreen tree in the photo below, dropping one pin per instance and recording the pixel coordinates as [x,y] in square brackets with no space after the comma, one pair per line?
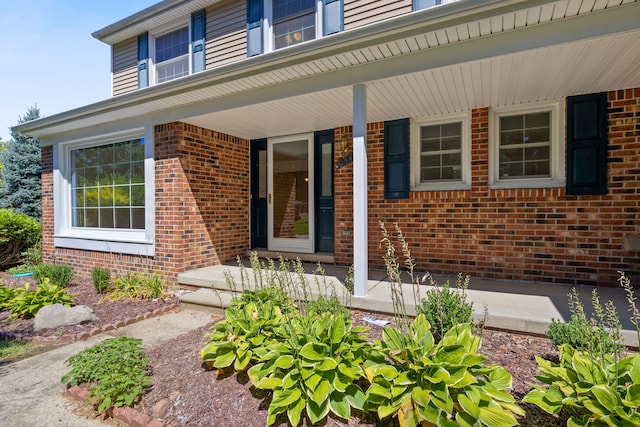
[20,182]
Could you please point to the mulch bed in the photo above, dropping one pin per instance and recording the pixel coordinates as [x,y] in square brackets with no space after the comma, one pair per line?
[109,315]
[184,393]
[193,396]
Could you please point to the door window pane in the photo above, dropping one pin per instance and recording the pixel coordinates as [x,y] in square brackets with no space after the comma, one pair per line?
[291,190]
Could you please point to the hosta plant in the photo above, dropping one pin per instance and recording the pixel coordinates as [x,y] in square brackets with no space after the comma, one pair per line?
[444,384]
[26,303]
[245,327]
[596,391]
[315,369]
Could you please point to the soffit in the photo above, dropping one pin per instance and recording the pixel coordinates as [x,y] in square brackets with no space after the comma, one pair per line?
[148,19]
[545,51]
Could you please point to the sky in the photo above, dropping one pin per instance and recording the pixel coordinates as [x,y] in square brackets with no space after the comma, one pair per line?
[48,57]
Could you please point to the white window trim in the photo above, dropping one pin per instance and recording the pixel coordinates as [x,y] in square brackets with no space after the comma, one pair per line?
[557,168]
[152,47]
[465,182]
[267,26]
[137,242]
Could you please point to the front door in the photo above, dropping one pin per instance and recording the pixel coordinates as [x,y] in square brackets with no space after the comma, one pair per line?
[290,198]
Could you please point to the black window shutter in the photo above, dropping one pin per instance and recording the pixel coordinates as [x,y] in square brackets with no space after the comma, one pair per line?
[143,60]
[396,159]
[332,16]
[255,13]
[587,144]
[198,40]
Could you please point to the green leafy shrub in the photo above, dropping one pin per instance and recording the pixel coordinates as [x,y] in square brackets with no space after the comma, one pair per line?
[139,285]
[594,334]
[60,275]
[597,392]
[116,370]
[6,296]
[324,304]
[101,279]
[26,303]
[18,232]
[445,307]
[314,368]
[245,328]
[33,255]
[448,383]
[261,295]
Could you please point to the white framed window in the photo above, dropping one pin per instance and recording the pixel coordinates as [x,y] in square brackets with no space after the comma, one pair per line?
[441,152]
[170,53]
[294,21]
[104,193]
[526,146]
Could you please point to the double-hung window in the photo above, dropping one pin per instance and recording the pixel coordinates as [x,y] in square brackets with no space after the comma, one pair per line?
[172,55]
[173,51]
[294,21]
[526,146]
[440,153]
[104,193]
[276,24]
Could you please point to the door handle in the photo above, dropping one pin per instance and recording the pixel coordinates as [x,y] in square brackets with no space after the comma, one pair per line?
[269,198]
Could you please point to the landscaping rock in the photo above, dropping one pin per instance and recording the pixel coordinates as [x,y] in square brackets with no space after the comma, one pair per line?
[56,315]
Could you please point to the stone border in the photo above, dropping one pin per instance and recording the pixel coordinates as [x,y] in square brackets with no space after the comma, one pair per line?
[85,335]
[126,414]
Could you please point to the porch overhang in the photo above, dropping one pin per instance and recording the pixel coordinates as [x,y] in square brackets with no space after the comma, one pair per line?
[456,57]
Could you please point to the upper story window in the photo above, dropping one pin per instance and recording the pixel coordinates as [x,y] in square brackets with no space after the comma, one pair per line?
[424,4]
[527,146]
[172,52]
[441,152]
[275,24]
[294,21]
[172,55]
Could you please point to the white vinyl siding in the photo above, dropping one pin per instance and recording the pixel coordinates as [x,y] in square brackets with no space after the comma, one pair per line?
[125,67]
[226,34]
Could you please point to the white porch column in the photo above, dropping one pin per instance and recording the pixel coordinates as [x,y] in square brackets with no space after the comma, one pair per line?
[360,187]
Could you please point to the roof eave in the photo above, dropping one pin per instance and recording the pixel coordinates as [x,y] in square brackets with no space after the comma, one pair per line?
[443,16]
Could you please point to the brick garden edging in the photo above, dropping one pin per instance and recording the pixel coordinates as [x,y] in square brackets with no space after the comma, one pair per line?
[85,335]
[126,414]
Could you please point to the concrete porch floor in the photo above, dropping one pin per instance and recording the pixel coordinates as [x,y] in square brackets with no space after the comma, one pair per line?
[518,306]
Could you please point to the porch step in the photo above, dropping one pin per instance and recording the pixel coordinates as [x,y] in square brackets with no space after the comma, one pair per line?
[210,300]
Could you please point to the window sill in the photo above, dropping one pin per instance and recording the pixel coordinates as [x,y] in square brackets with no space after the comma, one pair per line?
[527,183]
[443,186]
[133,247]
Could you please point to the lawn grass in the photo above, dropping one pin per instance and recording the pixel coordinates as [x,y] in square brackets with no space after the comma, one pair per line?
[11,351]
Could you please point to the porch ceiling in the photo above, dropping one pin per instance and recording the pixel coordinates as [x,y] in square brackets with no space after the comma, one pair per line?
[537,75]
[451,58]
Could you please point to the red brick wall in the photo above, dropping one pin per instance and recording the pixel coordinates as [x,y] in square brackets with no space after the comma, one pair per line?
[520,234]
[202,209]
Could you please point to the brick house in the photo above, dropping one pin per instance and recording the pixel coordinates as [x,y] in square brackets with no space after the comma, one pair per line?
[503,137]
